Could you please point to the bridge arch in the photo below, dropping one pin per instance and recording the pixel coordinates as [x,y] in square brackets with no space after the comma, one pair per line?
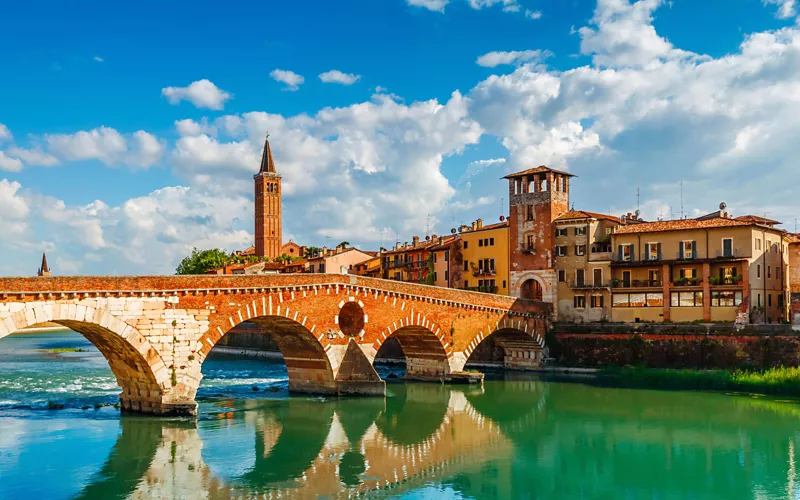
[304,351]
[517,343]
[137,365]
[426,351]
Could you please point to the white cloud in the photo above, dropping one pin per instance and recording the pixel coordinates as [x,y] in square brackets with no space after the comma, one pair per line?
[33,156]
[493,59]
[533,14]
[191,127]
[336,76]
[434,5]
[786,8]
[9,164]
[5,134]
[105,144]
[202,93]
[465,205]
[291,79]
[98,59]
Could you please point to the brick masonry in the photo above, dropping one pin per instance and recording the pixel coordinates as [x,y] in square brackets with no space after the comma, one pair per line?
[157,331]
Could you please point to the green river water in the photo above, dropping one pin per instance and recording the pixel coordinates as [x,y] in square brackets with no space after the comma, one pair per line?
[518,437]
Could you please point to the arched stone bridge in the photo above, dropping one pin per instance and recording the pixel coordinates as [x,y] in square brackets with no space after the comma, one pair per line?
[156,332]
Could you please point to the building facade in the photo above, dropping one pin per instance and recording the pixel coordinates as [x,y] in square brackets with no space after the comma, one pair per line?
[704,269]
[411,263]
[583,265]
[339,261]
[537,197]
[269,226]
[485,255]
[447,261]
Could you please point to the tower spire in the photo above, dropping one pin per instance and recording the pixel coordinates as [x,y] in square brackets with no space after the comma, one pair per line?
[45,269]
[267,163]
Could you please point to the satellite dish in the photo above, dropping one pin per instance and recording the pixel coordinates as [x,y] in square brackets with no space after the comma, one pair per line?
[723,206]
[502,218]
[637,212]
[427,238]
[453,231]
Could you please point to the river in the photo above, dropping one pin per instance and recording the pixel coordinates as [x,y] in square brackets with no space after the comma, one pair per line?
[518,437]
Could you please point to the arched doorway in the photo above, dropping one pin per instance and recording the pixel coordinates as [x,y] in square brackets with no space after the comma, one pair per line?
[531,289]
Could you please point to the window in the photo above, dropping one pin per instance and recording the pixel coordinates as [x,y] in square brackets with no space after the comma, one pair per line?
[561,251]
[579,301]
[778,272]
[727,247]
[687,250]
[562,275]
[758,244]
[562,231]
[687,299]
[580,249]
[652,278]
[626,252]
[726,299]
[688,272]
[466,245]
[769,299]
[652,251]
[638,300]
[530,212]
[597,301]
[466,283]
[466,265]
[434,257]
[447,275]
[758,271]
[620,300]
[447,255]
[759,300]
[480,243]
[322,268]
[769,271]
[491,241]
[626,279]
[598,277]
[435,278]
[531,242]
[580,231]
[580,277]
[608,231]
[504,283]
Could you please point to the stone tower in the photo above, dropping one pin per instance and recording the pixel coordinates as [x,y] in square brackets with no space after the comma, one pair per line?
[537,196]
[44,270]
[268,207]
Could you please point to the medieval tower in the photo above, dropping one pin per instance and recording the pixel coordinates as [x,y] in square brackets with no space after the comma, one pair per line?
[537,197]
[269,236]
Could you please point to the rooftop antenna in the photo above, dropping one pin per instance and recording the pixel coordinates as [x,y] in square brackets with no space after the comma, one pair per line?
[681,198]
[795,225]
[502,206]
[637,199]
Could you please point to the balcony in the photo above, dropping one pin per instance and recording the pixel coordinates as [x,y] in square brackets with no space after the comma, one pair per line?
[636,283]
[730,253]
[727,280]
[687,282]
[584,285]
[600,256]
[484,272]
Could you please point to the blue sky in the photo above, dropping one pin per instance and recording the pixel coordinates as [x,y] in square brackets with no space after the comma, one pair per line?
[128,135]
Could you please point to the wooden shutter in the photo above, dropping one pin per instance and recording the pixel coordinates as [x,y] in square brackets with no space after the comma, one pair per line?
[694,249]
[683,250]
[620,253]
[658,250]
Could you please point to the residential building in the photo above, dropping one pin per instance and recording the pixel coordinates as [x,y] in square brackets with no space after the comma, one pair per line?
[794,279]
[298,266]
[338,261]
[583,265]
[293,250]
[408,262]
[537,197]
[269,239]
[447,261]
[485,256]
[249,268]
[701,269]
[370,268]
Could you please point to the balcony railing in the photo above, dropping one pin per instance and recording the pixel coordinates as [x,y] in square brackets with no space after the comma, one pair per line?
[484,272]
[636,283]
[730,253]
[727,280]
[588,284]
[484,289]
[687,282]
[596,256]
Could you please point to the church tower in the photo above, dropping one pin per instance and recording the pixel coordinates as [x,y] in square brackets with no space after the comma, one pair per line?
[268,207]
[44,270]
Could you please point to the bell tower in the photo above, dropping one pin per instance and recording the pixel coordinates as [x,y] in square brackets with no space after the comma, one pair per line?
[269,226]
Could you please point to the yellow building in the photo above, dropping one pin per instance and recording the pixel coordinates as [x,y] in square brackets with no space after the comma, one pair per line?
[583,265]
[700,269]
[485,254]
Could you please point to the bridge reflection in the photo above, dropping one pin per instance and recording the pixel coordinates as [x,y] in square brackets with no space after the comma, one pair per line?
[518,438]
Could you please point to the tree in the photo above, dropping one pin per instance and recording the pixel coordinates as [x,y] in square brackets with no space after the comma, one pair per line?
[284,258]
[312,252]
[344,244]
[199,262]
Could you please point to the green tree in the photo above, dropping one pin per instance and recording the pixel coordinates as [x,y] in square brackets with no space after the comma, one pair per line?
[284,258]
[344,244]
[312,252]
[201,261]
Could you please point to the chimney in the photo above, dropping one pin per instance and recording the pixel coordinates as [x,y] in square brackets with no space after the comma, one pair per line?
[479,223]
[630,215]
[415,241]
[475,225]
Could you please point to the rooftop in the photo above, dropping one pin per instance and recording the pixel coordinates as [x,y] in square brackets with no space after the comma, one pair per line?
[755,219]
[538,170]
[680,225]
[583,214]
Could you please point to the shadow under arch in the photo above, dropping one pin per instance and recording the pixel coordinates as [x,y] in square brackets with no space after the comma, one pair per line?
[425,353]
[414,412]
[138,367]
[506,348]
[307,363]
[303,427]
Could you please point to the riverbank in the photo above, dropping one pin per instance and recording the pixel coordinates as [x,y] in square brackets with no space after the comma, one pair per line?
[774,381]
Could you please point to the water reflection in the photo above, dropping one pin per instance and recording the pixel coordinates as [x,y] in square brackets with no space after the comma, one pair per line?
[518,438]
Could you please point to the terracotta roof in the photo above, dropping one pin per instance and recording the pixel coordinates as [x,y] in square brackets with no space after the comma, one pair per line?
[679,225]
[267,163]
[583,214]
[487,227]
[757,220]
[538,170]
[273,266]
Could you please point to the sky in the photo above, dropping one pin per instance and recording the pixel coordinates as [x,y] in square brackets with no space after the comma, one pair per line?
[129,134]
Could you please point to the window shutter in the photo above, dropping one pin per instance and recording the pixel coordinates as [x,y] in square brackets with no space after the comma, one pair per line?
[658,250]
[694,249]
[601,301]
[620,252]
[683,251]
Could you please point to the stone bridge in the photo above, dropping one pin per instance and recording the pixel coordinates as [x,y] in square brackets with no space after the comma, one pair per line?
[156,332]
